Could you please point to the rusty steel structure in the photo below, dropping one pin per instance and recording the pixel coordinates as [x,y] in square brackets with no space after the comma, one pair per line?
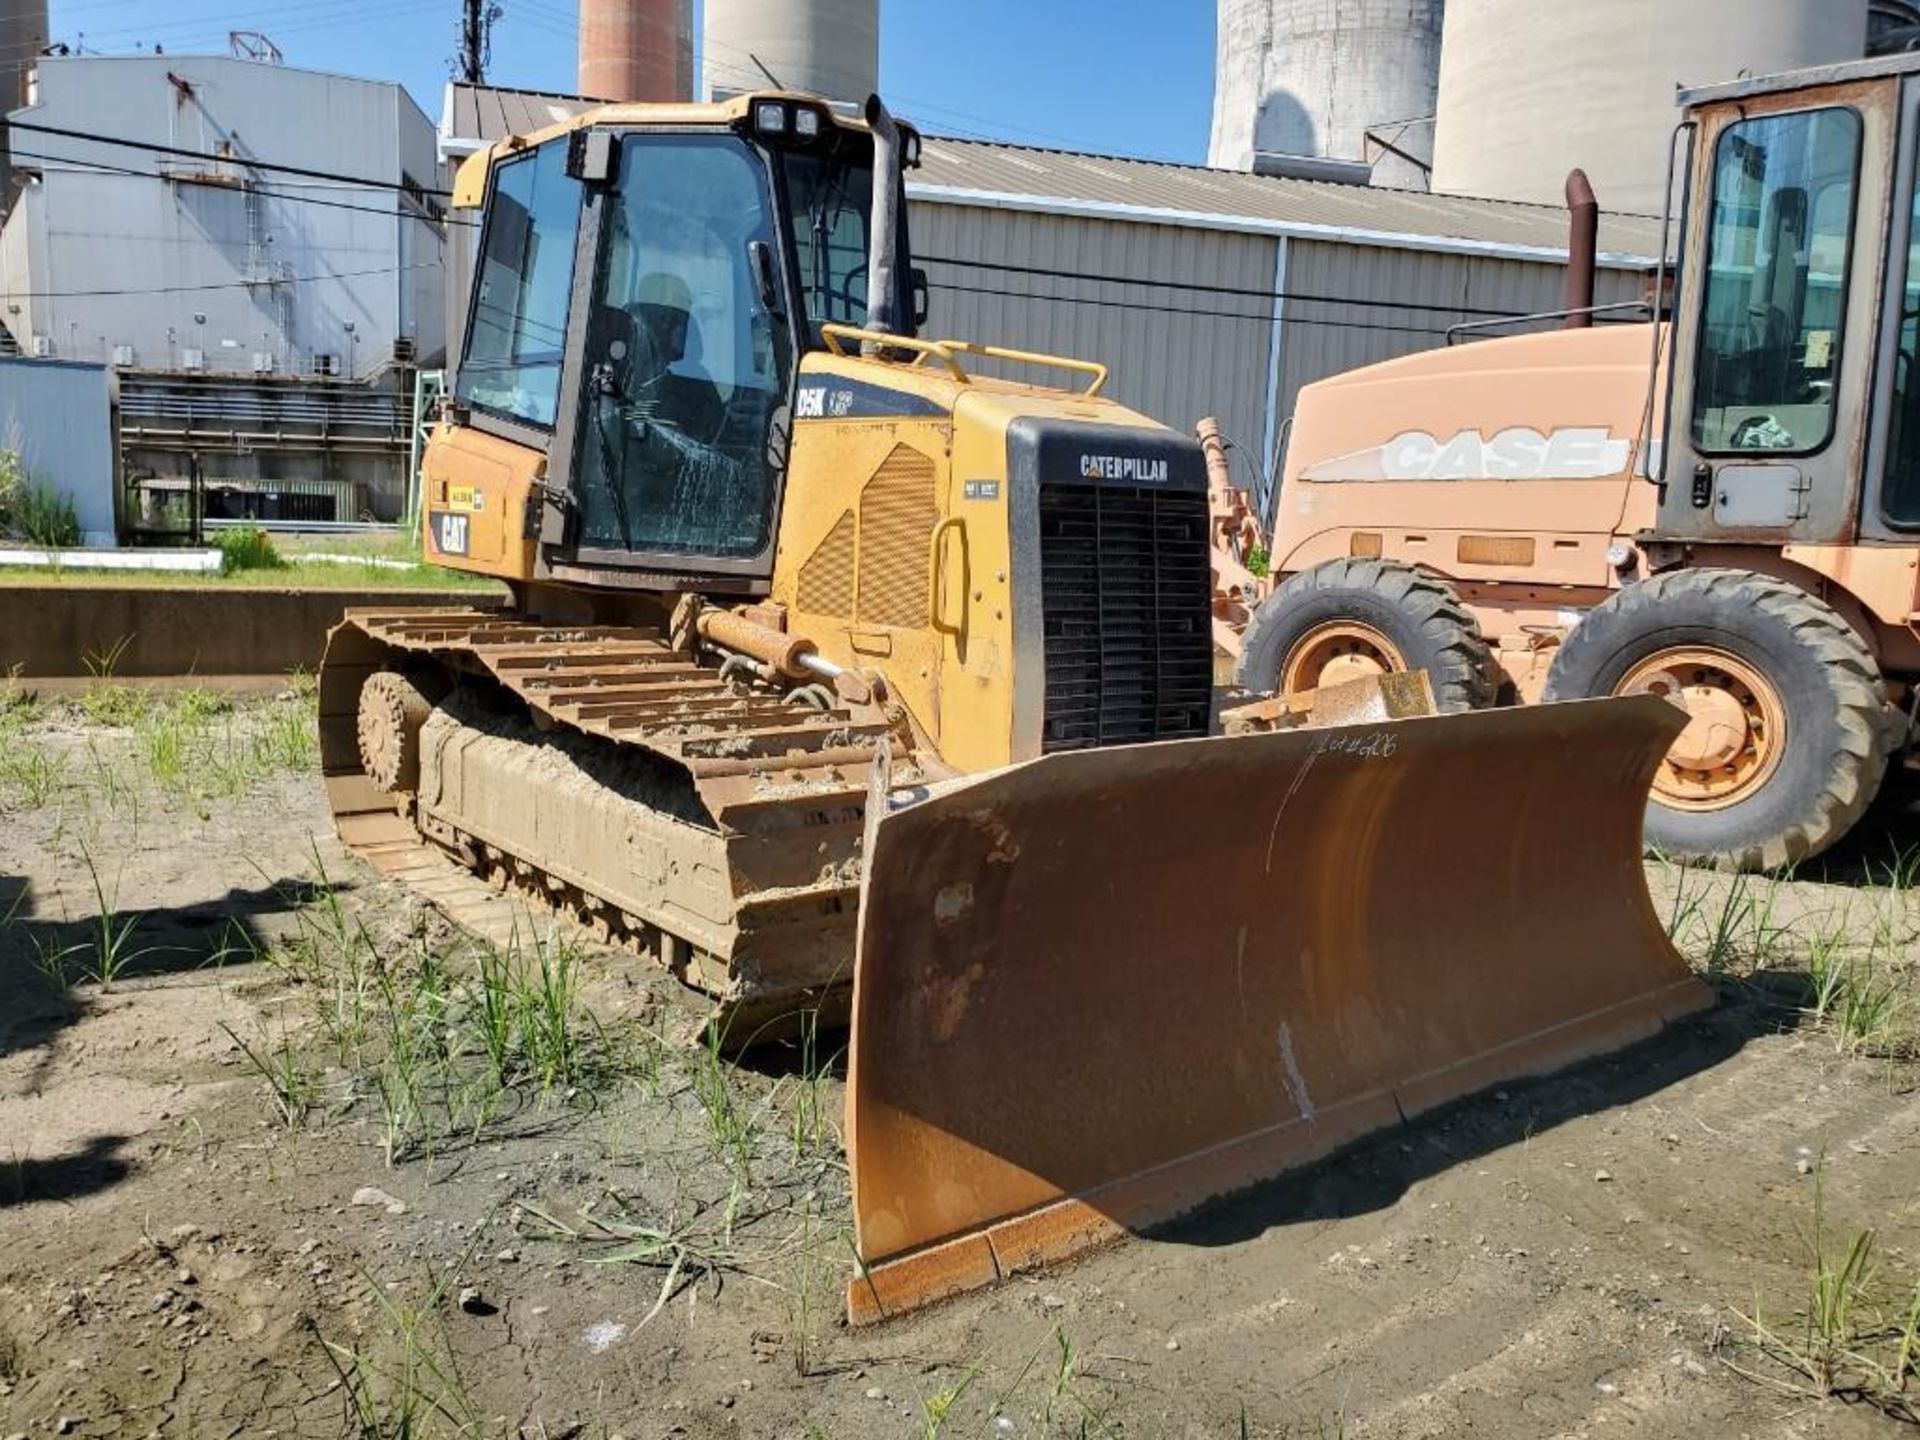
[1345,1007]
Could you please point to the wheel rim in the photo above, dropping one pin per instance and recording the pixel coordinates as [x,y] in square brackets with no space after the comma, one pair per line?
[1736,726]
[1338,652]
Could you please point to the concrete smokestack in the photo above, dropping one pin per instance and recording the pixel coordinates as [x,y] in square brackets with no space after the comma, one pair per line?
[636,49]
[1349,80]
[819,47]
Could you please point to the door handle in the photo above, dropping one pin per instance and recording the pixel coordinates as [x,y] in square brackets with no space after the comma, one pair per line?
[937,570]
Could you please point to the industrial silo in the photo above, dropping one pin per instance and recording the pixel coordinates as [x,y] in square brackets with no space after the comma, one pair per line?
[1336,79]
[1531,88]
[821,47]
[635,49]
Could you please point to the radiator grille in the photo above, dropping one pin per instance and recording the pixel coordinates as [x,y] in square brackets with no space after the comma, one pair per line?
[826,580]
[898,511]
[1125,589]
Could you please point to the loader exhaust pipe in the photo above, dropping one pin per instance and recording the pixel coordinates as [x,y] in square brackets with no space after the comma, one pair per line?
[884,309]
[1583,249]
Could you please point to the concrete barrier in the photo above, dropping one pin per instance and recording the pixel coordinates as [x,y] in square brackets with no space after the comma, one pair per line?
[210,632]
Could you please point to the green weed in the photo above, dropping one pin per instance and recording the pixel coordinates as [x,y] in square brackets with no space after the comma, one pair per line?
[412,1387]
[1857,1337]
[293,1086]
[247,547]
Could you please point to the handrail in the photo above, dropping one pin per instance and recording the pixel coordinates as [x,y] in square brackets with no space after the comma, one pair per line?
[1035,357]
[1455,331]
[945,351]
[941,350]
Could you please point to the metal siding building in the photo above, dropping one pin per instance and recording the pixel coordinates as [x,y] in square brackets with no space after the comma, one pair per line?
[1174,354]
[1211,292]
[218,261]
[59,418]
[262,320]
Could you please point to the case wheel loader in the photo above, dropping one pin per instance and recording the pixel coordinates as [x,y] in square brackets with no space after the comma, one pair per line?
[1721,508]
[844,679]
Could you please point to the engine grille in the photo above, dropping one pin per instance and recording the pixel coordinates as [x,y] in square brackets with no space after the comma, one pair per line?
[1125,591]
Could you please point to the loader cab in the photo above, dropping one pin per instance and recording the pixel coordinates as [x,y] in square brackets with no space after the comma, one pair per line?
[1794,412]
[646,284]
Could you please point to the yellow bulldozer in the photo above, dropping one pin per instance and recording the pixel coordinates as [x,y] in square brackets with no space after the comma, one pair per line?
[847,680]
[1721,508]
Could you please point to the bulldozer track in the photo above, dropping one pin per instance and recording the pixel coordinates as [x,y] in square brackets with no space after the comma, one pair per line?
[757,890]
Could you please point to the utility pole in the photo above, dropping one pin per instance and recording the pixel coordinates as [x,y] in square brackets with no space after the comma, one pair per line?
[474,19]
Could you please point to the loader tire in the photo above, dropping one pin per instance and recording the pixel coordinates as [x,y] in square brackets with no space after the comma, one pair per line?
[1345,619]
[1791,727]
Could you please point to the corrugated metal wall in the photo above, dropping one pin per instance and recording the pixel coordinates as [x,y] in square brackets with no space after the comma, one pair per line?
[1175,354]
[1374,298]
[1180,353]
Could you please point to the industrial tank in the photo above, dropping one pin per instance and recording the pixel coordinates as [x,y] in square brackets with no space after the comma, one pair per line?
[1531,88]
[635,49]
[821,47]
[1314,77]
[23,35]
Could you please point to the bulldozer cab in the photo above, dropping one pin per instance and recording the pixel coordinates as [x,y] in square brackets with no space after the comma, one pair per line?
[645,283]
[1794,408]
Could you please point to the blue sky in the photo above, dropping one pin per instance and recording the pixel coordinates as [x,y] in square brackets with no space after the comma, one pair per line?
[1130,77]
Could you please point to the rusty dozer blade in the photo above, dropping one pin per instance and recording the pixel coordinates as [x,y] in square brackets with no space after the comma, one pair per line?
[1098,990]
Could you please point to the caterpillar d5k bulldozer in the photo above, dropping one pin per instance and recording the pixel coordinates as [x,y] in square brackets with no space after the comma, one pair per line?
[1722,509]
[832,665]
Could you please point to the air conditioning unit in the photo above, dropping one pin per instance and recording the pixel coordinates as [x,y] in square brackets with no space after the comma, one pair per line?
[263,362]
[193,358]
[123,354]
[42,346]
[326,365]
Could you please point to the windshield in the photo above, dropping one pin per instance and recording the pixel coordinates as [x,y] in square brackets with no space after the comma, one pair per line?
[685,363]
[829,200]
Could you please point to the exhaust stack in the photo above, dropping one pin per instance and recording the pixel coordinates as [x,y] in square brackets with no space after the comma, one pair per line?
[884,310]
[1583,249]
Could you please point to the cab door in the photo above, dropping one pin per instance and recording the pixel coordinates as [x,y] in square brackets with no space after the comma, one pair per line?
[684,364]
[1773,355]
[1890,501]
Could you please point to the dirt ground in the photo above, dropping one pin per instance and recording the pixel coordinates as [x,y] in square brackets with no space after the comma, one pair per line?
[271,1179]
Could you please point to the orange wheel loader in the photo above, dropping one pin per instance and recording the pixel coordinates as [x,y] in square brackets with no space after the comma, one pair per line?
[1722,509]
[842,678]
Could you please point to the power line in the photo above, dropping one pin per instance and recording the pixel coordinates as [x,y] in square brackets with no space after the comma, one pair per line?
[1252,317]
[1361,302]
[158,148]
[221,285]
[271,194]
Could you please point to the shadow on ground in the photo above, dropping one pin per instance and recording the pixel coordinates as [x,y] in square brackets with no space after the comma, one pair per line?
[1377,1171]
[96,1167]
[43,959]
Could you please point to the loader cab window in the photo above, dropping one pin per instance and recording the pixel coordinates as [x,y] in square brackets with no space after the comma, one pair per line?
[1900,486]
[523,282]
[829,204]
[1779,249]
[685,366]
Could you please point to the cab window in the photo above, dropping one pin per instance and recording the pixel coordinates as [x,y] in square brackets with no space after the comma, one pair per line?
[517,333]
[1779,251]
[1900,485]
[829,204]
[685,365]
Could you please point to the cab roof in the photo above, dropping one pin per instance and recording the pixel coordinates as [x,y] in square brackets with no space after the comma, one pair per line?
[1747,86]
[470,182]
